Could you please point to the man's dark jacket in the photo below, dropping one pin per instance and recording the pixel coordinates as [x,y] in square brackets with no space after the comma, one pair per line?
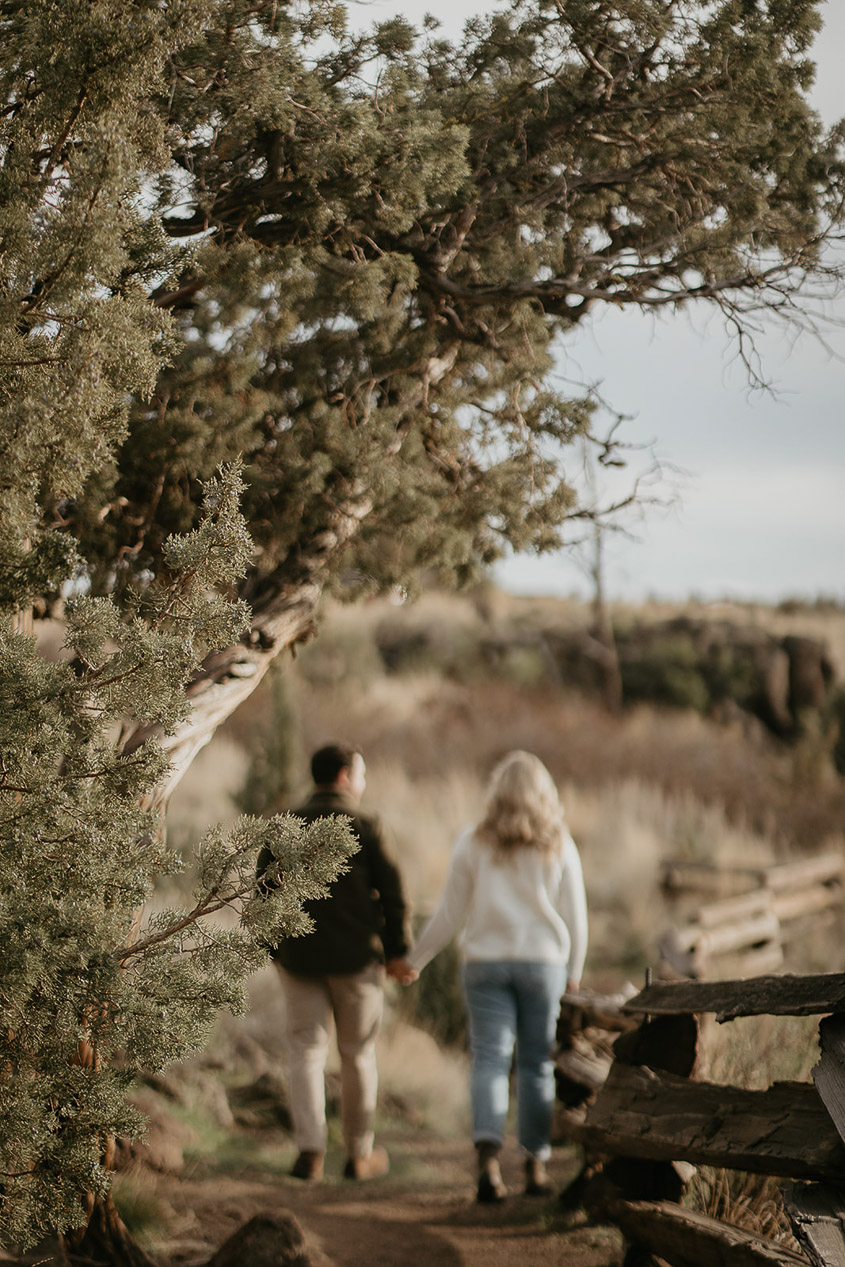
[363,919]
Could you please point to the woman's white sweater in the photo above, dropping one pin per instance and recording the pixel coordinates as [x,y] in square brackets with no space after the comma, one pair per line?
[525,905]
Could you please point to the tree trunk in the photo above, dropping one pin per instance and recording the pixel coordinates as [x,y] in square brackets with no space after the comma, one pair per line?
[603,627]
[281,619]
[284,607]
[105,1241]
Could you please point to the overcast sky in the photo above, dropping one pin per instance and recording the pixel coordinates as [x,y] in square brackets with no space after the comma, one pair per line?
[761,511]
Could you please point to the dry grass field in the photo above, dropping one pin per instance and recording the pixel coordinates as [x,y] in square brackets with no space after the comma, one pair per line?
[639,787]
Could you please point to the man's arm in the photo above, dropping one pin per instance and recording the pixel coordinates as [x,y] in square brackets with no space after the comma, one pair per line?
[387,882]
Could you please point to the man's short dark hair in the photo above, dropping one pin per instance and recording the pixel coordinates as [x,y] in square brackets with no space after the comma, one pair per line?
[327,763]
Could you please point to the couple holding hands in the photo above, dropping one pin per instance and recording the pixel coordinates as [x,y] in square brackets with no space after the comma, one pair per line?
[514,896]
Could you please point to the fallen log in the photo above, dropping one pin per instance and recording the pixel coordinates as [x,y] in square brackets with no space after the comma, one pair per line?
[640,1113]
[697,964]
[722,927]
[677,876]
[817,1215]
[786,995]
[690,1238]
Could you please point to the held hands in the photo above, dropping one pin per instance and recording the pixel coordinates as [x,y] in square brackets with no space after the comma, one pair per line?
[401,971]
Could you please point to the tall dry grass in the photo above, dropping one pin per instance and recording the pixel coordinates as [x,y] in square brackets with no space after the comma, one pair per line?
[449,710]
[637,788]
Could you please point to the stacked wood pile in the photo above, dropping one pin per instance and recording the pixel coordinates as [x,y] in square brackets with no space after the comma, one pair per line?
[752,916]
[652,1121]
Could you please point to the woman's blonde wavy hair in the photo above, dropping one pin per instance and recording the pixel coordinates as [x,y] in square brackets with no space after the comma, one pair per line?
[522,809]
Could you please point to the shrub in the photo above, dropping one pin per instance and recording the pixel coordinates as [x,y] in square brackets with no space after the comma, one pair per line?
[665,670]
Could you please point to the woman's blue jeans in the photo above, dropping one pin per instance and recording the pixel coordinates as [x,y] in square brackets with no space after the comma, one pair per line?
[513,1004]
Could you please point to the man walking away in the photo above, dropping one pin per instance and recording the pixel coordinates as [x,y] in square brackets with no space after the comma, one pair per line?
[338,970]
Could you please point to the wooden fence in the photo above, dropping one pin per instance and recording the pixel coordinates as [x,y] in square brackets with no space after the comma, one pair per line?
[751,917]
[646,1121]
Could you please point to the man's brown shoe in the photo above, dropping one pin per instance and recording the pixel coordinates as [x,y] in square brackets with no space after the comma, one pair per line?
[371,1167]
[308,1166]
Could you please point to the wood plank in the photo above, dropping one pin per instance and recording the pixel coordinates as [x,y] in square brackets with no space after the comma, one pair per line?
[786,995]
[784,1130]
[821,897]
[690,1238]
[824,868]
[730,909]
[829,1073]
[759,929]
[719,930]
[817,1217]
[678,875]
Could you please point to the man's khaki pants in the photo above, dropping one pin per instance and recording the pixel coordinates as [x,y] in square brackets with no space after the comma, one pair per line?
[356,1003]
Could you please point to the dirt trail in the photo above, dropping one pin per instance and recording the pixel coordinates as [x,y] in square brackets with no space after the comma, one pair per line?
[422,1215]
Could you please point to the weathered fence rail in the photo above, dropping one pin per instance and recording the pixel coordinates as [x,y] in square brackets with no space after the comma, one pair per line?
[759,911]
[650,1118]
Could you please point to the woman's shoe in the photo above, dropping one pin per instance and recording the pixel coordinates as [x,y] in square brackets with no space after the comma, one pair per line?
[491,1186]
[537,1181]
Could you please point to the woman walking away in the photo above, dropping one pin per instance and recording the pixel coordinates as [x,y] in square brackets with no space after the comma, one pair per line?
[515,891]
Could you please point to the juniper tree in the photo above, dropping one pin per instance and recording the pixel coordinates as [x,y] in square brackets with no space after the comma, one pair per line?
[393,236]
[86,977]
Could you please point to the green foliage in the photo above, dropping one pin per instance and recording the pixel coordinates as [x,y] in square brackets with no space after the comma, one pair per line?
[393,235]
[84,976]
[77,143]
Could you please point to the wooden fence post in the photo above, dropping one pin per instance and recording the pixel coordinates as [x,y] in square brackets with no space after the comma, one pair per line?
[651,1113]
